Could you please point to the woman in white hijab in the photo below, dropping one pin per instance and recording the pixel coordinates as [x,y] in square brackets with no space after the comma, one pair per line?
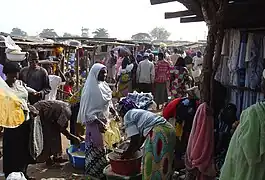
[95,107]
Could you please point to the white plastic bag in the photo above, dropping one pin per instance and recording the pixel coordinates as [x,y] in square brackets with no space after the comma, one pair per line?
[16,176]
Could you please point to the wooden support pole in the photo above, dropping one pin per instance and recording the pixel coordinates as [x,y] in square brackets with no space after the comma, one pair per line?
[154,2]
[191,19]
[169,15]
[213,13]
[77,68]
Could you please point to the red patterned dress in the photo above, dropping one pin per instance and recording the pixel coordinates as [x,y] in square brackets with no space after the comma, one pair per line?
[178,85]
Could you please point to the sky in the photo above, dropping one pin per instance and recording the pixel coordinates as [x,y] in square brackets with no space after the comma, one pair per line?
[122,18]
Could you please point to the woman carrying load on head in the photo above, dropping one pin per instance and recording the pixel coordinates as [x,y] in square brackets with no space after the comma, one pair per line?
[95,107]
[16,154]
[159,137]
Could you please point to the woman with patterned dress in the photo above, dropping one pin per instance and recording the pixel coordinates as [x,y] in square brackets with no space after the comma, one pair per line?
[179,76]
[95,107]
[159,137]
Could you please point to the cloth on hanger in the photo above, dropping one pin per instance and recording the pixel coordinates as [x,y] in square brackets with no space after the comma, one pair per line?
[250,53]
[254,70]
[263,47]
[243,50]
[234,56]
[225,46]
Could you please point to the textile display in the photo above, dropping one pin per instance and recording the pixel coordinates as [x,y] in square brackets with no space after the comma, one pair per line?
[141,100]
[242,66]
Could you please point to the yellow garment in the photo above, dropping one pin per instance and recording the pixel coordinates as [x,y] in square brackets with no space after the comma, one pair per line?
[112,135]
[75,98]
[179,130]
[11,113]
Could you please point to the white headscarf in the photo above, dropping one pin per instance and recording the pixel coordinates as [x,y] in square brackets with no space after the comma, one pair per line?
[96,97]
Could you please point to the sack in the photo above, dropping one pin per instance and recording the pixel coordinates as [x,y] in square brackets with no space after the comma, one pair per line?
[11,113]
[36,138]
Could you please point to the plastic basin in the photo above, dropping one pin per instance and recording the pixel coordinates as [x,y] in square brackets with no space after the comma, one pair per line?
[77,161]
[126,167]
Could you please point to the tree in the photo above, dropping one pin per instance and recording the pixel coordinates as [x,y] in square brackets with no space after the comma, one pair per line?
[160,33]
[67,35]
[141,37]
[18,32]
[48,33]
[101,33]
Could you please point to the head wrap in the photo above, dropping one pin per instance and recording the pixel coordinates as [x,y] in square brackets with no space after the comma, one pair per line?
[11,67]
[96,97]
[146,54]
[125,105]
[199,54]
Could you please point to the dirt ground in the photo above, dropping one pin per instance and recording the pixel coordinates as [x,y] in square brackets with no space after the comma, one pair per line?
[63,172]
[41,172]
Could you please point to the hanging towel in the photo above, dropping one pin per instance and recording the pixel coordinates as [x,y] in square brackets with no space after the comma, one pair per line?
[250,50]
[200,150]
[225,46]
[245,158]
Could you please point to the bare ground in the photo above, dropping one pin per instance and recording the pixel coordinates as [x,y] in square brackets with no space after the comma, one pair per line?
[40,171]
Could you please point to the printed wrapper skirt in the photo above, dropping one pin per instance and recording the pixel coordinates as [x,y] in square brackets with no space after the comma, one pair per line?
[95,161]
[159,153]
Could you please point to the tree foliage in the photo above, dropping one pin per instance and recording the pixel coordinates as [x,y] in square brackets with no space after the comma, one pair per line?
[160,33]
[18,32]
[141,37]
[48,33]
[101,33]
[67,35]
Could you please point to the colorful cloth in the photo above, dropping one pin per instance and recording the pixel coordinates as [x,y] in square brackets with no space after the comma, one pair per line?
[200,150]
[112,134]
[245,157]
[178,85]
[162,71]
[159,153]
[123,89]
[141,100]
[75,98]
[170,110]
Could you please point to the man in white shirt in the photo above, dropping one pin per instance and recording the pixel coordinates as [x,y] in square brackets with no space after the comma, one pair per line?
[197,66]
[145,74]
[55,82]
